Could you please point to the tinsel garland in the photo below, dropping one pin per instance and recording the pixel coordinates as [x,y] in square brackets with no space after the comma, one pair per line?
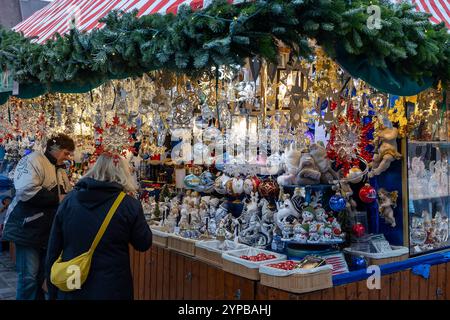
[224,34]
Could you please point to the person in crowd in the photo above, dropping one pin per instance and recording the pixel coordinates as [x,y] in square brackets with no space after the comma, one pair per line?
[6,201]
[78,220]
[40,182]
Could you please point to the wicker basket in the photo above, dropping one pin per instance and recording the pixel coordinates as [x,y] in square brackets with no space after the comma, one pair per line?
[181,245]
[210,257]
[375,261]
[241,270]
[247,269]
[209,252]
[397,254]
[299,283]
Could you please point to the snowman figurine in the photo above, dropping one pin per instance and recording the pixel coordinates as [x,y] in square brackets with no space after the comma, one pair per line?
[308,215]
[300,233]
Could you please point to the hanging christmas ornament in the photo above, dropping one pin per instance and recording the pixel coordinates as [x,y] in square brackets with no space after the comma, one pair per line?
[206,182]
[358,230]
[182,113]
[354,175]
[235,186]
[358,262]
[269,189]
[114,138]
[337,202]
[224,114]
[251,184]
[220,184]
[272,72]
[367,194]
[191,181]
[255,67]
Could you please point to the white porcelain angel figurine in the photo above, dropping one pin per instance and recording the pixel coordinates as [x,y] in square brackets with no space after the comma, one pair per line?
[184,212]
[171,221]
[203,210]
[441,168]
[196,220]
[434,177]
[418,181]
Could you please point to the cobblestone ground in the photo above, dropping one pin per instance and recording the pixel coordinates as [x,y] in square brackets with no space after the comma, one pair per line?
[8,277]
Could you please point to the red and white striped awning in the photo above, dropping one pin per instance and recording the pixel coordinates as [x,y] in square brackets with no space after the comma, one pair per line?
[439,9]
[60,16]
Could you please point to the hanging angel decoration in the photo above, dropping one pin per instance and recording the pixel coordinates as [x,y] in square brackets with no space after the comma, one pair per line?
[387,201]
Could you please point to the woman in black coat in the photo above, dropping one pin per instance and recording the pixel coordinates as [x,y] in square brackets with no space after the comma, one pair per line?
[78,220]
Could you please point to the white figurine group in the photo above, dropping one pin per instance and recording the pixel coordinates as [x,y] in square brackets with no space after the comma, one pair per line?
[303,222]
[429,233]
[425,182]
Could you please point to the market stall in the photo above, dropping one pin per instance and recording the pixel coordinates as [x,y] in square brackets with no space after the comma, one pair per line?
[282,147]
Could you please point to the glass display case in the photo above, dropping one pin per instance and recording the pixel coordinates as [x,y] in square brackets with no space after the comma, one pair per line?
[428,188]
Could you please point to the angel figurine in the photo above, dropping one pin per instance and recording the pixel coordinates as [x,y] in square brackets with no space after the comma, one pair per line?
[388,201]
[386,152]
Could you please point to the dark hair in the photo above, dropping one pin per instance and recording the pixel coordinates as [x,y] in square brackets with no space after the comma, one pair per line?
[62,141]
[6,198]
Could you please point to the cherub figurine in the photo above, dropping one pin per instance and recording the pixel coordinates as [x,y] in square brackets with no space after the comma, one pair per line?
[388,201]
[386,151]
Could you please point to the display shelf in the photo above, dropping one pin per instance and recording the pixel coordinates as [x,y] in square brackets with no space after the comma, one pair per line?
[424,143]
[431,198]
[426,164]
[319,243]
[310,186]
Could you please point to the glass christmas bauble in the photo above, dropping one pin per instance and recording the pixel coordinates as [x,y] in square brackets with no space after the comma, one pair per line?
[367,194]
[358,230]
[337,203]
[355,175]
[251,185]
[220,184]
[269,189]
[191,181]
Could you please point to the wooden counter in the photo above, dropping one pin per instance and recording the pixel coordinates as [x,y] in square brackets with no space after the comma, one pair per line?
[163,274]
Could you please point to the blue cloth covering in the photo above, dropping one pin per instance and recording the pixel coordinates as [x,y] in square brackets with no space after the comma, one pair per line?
[431,259]
[422,270]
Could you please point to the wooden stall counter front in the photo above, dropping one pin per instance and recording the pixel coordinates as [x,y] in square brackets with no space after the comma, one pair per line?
[161,273]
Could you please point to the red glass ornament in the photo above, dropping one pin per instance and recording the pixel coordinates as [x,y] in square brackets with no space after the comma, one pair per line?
[367,194]
[269,189]
[358,229]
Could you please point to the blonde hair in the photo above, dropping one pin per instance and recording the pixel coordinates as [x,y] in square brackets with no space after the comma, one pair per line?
[113,169]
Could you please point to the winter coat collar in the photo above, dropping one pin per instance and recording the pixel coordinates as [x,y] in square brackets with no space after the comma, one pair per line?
[53,160]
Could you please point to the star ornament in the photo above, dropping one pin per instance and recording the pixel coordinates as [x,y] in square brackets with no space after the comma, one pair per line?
[114,138]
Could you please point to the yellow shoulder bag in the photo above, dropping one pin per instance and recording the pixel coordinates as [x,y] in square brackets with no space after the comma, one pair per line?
[63,273]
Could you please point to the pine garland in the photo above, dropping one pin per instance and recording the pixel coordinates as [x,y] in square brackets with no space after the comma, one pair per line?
[193,41]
